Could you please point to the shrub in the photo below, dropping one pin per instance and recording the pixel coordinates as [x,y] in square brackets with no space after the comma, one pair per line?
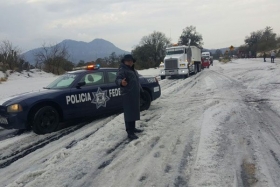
[3,79]
[224,59]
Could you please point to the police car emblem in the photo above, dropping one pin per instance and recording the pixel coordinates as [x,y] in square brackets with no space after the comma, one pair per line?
[100,98]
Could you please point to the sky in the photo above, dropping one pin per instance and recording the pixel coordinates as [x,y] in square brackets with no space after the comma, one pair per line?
[30,23]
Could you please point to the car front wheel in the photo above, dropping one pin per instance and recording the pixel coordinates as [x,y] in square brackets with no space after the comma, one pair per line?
[45,120]
[145,100]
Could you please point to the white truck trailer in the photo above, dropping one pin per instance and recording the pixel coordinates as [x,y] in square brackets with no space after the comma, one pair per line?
[180,61]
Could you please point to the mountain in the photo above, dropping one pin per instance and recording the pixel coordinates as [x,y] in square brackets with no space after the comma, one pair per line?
[98,48]
[213,51]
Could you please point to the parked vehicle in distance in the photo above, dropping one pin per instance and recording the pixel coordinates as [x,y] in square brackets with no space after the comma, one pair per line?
[207,55]
[205,62]
[87,92]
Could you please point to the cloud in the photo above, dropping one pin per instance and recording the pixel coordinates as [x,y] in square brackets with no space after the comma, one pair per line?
[28,23]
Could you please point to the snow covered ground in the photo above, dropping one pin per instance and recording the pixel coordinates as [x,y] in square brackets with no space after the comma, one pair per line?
[217,128]
[18,83]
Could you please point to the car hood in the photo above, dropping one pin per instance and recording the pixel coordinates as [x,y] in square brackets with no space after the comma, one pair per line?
[148,79]
[20,97]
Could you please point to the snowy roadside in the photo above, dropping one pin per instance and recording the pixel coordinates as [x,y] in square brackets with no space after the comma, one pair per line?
[262,78]
[18,83]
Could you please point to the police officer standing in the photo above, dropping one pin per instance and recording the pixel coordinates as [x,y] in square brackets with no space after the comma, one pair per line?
[128,80]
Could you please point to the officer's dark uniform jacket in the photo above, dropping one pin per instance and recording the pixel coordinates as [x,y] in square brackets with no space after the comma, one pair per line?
[130,93]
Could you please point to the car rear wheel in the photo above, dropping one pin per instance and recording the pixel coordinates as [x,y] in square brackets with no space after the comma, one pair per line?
[45,120]
[145,100]
[162,77]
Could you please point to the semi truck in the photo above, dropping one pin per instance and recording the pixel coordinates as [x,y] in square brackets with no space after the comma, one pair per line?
[181,61]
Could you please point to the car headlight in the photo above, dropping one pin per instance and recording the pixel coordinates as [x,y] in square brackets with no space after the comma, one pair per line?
[14,108]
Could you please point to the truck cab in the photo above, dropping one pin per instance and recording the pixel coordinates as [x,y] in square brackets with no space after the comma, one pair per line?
[180,61]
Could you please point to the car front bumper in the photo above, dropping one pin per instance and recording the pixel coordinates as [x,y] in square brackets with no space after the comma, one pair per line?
[13,120]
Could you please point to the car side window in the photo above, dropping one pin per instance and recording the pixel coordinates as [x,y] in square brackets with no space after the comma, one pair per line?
[112,76]
[93,78]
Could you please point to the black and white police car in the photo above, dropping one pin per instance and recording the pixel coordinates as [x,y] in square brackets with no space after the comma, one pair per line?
[87,92]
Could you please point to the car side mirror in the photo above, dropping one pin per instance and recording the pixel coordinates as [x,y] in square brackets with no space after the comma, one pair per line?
[80,84]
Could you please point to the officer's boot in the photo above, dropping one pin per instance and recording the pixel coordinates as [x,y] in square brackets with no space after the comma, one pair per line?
[135,130]
[131,135]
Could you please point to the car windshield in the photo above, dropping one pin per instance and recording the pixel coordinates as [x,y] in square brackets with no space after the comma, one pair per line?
[174,51]
[63,81]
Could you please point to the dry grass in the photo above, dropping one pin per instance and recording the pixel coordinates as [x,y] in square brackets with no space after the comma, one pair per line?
[225,60]
[2,79]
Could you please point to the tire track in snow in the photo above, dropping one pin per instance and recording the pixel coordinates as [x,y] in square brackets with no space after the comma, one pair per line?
[5,134]
[9,159]
[113,153]
[258,123]
[169,83]
[18,154]
[183,179]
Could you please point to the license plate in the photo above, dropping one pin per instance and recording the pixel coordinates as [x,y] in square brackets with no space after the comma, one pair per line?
[3,120]
[156,89]
[169,72]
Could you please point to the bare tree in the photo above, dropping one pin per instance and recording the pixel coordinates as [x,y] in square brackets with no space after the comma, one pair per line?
[52,57]
[9,55]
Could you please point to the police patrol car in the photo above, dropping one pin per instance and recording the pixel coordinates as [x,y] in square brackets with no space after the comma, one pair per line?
[87,92]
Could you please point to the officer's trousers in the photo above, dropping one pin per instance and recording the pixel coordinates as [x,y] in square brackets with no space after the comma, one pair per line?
[130,126]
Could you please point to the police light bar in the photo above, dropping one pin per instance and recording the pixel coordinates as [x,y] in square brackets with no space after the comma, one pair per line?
[89,67]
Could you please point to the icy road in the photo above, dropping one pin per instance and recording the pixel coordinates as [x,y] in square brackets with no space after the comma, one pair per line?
[218,128]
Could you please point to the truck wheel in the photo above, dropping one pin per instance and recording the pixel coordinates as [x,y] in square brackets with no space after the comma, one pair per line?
[45,120]
[198,68]
[195,69]
[145,100]
[162,77]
